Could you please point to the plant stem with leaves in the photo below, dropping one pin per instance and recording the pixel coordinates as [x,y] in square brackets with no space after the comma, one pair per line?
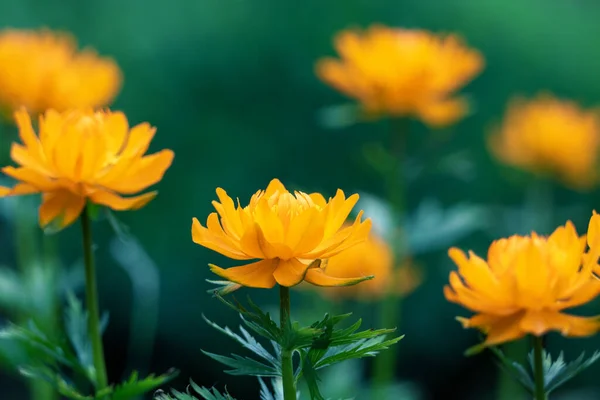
[91,293]
[538,368]
[287,364]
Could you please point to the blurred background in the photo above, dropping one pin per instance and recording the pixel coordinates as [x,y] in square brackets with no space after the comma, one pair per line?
[230,85]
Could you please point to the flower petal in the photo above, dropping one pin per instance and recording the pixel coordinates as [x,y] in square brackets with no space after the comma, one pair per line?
[256,275]
[118,203]
[318,277]
[290,272]
[215,239]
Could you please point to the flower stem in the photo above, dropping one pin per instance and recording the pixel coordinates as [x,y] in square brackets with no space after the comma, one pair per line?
[538,365]
[91,296]
[287,365]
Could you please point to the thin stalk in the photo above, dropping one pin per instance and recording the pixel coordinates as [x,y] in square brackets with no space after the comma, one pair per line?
[287,364]
[538,366]
[385,362]
[91,296]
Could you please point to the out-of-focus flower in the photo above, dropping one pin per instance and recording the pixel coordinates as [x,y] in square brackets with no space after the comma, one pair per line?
[371,257]
[42,70]
[547,135]
[401,72]
[527,282]
[288,232]
[84,155]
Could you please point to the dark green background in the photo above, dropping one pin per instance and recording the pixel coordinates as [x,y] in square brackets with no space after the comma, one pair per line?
[231,88]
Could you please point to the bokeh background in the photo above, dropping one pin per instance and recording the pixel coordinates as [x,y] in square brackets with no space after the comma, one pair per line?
[230,85]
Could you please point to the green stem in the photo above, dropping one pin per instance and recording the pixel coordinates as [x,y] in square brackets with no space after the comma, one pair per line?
[385,362]
[91,296]
[538,362]
[287,364]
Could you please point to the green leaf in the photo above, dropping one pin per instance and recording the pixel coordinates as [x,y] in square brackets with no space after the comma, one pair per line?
[514,369]
[244,365]
[310,375]
[247,341]
[77,331]
[557,372]
[223,287]
[265,392]
[362,348]
[255,319]
[192,390]
[55,379]
[134,387]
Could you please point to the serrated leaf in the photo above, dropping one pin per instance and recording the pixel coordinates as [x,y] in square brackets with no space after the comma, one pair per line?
[265,392]
[310,376]
[514,369]
[244,365]
[134,387]
[207,394]
[362,348]
[56,380]
[247,341]
[557,372]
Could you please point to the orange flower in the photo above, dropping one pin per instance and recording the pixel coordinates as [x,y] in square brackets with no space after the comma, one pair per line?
[40,70]
[371,257]
[84,155]
[286,232]
[527,282]
[548,135]
[402,72]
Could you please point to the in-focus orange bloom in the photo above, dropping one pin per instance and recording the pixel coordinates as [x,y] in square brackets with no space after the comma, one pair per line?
[286,232]
[402,72]
[40,70]
[84,155]
[547,135]
[527,282]
[371,257]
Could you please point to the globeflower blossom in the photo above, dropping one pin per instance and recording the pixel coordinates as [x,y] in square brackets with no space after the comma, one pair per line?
[82,156]
[288,233]
[42,70]
[550,136]
[528,282]
[403,73]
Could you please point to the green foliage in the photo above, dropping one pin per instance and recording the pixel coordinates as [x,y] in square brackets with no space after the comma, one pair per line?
[66,363]
[319,345]
[556,372]
[192,390]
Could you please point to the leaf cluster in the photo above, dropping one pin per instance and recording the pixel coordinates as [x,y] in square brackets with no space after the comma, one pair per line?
[66,361]
[556,372]
[317,346]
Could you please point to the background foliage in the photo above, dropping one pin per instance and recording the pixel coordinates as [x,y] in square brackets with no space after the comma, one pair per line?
[230,86]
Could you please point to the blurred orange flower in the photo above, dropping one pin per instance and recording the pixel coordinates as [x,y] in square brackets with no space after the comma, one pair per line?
[403,72]
[286,231]
[372,257]
[549,135]
[527,282]
[84,155]
[40,70]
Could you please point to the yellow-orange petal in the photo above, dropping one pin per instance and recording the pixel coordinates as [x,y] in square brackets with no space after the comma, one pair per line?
[504,330]
[18,189]
[216,240]
[541,322]
[144,173]
[318,277]
[60,204]
[290,272]
[118,203]
[256,275]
